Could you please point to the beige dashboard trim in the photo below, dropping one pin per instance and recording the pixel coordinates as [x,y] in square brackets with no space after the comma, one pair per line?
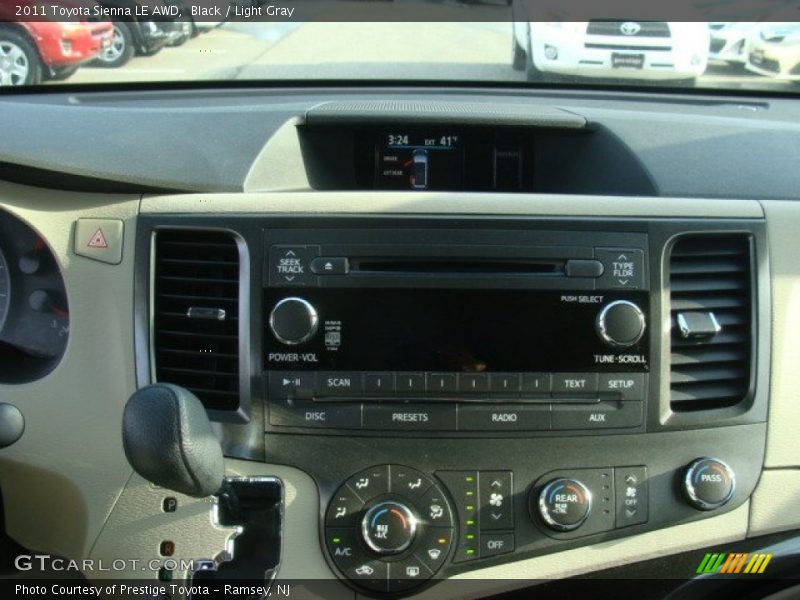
[61,479]
[433,203]
[783,225]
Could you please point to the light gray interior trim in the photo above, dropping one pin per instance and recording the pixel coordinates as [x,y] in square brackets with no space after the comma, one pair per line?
[62,477]
[774,506]
[783,225]
[428,203]
[279,165]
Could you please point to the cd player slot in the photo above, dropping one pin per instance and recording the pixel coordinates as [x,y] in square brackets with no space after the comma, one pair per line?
[440,266]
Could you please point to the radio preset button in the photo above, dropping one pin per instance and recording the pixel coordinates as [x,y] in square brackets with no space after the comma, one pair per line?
[442,383]
[410,383]
[604,415]
[502,384]
[575,384]
[338,383]
[629,386]
[379,384]
[410,417]
[536,384]
[473,383]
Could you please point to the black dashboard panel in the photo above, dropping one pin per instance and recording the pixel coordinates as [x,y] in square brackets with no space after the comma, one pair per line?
[336,307]
[594,145]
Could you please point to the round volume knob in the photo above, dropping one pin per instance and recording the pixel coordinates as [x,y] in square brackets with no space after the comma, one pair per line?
[709,483]
[389,528]
[564,504]
[620,324]
[293,321]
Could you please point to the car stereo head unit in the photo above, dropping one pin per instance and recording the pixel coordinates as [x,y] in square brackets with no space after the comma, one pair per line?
[375,330]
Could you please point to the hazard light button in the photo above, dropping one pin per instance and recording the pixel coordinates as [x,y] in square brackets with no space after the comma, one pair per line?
[99,239]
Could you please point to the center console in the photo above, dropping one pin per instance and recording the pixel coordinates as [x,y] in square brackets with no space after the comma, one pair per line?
[471,391]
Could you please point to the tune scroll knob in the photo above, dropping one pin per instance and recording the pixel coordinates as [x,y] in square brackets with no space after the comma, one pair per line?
[293,321]
[708,483]
[620,324]
[389,528]
[564,504]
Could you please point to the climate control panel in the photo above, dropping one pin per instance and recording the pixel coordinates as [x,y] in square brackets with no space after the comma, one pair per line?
[390,528]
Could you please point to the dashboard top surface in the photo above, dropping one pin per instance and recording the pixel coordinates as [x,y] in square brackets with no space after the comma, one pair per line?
[673,145]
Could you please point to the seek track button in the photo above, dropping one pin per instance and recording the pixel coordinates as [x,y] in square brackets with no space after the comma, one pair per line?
[290,265]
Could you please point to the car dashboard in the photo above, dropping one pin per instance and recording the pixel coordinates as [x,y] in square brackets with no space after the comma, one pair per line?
[463,340]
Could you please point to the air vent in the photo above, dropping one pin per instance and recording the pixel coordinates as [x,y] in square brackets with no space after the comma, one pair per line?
[196,314]
[711,321]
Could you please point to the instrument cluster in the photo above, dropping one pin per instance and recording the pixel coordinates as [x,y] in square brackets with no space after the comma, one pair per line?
[34,314]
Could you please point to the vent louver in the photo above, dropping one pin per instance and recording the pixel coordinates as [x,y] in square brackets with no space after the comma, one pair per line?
[711,321]
[196,314]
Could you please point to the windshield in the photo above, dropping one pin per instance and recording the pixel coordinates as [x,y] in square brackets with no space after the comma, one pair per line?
[102,42]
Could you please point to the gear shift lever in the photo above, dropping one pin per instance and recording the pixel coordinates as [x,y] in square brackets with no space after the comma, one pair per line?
[168,440]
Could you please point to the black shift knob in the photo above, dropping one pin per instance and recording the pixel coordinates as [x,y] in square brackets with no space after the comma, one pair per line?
[168,440]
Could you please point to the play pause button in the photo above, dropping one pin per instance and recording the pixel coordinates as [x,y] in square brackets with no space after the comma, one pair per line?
[290,384]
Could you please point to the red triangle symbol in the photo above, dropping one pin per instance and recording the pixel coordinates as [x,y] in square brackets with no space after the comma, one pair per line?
[98,240]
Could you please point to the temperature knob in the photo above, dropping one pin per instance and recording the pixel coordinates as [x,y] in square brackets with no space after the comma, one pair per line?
[620,324]
[564,504]
[709,483]
[293,321]
[389,528]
